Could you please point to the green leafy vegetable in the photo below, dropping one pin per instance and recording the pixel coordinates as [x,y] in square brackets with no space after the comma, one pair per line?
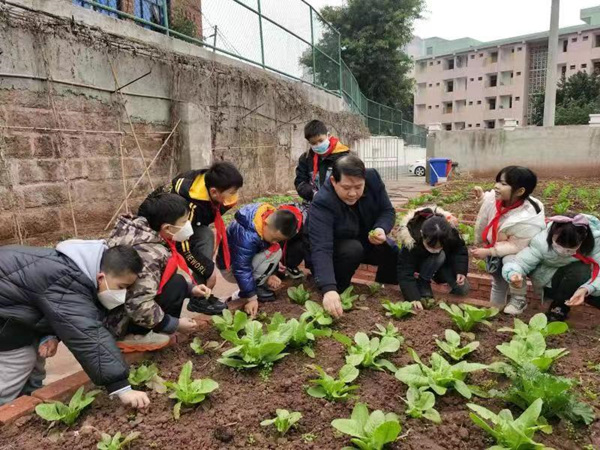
[428,302]
[302,334]
[196,345]
[467,233]
[189,392]
[369,432]
[230,323]
[316,313]
[67,414]
[440,376]
[116,442]
[398,310]
[390,330]
[147,376]
[367,353]
[284,420]
[510,433]
[374,288]
[530,383]
[348,298]
[332,388]
[451,346]
[466,316]
[420,403]
[255,348]
[298,295]
[532,350]
[537,324]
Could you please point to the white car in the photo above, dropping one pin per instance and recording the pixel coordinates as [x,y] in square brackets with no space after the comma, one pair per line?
[418,168]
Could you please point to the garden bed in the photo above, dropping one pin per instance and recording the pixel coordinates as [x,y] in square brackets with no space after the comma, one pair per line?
[230,417]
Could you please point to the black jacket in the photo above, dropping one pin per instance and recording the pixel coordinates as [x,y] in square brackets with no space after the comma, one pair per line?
[304,183]
[413,253]
[44,292]
[330,219]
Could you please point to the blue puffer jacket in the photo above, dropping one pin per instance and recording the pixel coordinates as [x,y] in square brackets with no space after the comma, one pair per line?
[245,243]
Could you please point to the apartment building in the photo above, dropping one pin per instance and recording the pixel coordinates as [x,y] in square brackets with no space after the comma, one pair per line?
[482,84]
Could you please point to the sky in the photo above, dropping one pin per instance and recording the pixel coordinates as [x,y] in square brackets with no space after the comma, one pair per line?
[487,20]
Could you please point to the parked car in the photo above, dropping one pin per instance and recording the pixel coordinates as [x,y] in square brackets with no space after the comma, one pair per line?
[418,168]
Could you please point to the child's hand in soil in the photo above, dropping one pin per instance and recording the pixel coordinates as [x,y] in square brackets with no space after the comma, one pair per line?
[47,349]
[578,297]
[201,291]
[251,307]
[460,279]
[516,280]
[478,193]
[137,399]
[333,304]
[481,253]
[417,305]
[377,236]
[187,325]
[274,282]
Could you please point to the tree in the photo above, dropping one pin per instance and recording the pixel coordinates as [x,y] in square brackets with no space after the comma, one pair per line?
[576,98]
[373,33]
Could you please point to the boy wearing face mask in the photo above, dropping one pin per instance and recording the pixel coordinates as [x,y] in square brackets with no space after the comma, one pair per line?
[153,306]
[431,249]
[210,193]
[64,292]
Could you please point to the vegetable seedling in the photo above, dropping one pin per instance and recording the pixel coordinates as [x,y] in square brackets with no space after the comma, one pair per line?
[465,317]
[298,295]
[196,346]
[390,330]
[189,392]
[147,376]
[300,334]
[332,388]
[67,414]
[228,322]
[508,432]
[537,324]
[420,403]
[369,431]
[398,310]
[284,420]
[315,313]
[374,288]
[348,298]
[116,442]
[532,350]
[451,346]
[367,353]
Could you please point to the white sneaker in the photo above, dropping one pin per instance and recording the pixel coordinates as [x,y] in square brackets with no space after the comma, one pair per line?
[143,342]
[516,306]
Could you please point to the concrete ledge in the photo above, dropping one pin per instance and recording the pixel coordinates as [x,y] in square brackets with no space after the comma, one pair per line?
[17,408]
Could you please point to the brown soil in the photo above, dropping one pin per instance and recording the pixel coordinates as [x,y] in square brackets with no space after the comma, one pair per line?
[230,418]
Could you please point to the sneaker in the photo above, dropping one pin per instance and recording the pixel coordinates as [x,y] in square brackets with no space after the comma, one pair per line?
[265,294]
[516,306]
[557,313]
[143,342]
[211,306]
[294,273]
[424,288]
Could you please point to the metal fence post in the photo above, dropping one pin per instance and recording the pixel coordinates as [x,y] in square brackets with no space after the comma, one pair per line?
[262,41]
[312,43]
[165,8]
[215,39]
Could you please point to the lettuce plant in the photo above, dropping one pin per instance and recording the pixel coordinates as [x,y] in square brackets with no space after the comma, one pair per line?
[283,421]
[440,376]
[298,295]
[369,431]
[189,392]
[420,403]
[367,353]
[147,376]
[348,298]
[300,334]
[451,346]
[116,442]
[390,330]
[67,414]
[398,310]
[465,317]
[229,322]
[537,324]
[315,313]
[532,350]
[332,388]
[374,288]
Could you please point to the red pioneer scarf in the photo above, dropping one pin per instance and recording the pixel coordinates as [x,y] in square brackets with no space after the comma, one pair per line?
[222,235]
[332,144]
[275,246]
[590,261]
[299,218]
[175,261]
[494,224]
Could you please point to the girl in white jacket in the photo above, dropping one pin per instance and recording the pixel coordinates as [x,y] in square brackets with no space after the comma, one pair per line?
[508,219]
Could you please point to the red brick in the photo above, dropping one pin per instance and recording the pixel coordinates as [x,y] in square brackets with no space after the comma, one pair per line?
[17,408]
[485,280]
[64,388]
[372,269]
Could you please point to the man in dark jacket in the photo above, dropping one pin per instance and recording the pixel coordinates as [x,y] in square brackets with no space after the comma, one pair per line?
[348,223]
[66,293]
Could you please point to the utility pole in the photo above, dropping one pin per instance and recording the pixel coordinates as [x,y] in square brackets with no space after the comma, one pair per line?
[550,100]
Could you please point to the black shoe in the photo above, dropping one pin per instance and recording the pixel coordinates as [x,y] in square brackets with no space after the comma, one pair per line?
[294,273]
[265,294]
[424,288]
[557,313]
[211,306]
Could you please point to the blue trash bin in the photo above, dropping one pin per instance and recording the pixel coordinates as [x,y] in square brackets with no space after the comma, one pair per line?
[438,172]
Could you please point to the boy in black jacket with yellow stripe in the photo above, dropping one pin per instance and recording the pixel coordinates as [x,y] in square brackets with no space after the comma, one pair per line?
[211,193]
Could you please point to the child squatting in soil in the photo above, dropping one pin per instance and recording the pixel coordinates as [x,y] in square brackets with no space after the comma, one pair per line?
[560,260]
[431,249]
[153,306]
[255,235]
[508,219]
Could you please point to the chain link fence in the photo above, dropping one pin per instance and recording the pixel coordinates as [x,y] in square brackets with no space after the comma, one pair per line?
[288,37]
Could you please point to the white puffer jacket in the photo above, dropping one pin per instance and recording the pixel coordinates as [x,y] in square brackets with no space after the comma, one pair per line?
[517,227]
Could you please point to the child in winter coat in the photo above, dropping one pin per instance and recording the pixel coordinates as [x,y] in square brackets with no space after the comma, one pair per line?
[508,219]
[563,260]
[432,248]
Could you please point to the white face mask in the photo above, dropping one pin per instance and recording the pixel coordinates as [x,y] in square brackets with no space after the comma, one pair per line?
[321,149]
[562,251]
[111,298]
[184,233]
[431,250]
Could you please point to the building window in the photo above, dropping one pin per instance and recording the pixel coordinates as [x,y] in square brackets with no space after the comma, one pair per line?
[437,106]
[494,57]
[430,85]
[519,49]
[479,102]
[493,80]
[563,71]
[490,124]
[472,56]
[512,50]
[586,38]
[448,127]
[597,40]
[447,107]
[437,84]
[517,99]
[429,107]
[149,10]
[518,74]
[573,67]
[431,63]
[597,67]
[449,64]
[439,62]
[584,66]
[429,50]
[481,55]
[491,103]
[472,79]
[478,125]
[110,3]
[470,103]
[565,45]
[574,40]
[450,86]
[470,125]
[480,78]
